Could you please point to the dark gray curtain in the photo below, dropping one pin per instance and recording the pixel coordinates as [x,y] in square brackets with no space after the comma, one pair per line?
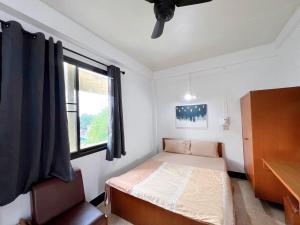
[115,145]
[34,141]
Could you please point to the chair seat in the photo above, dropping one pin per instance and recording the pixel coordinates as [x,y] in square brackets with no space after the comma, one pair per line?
[81,214]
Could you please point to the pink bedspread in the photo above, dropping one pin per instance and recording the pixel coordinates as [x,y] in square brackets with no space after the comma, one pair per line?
[198,193]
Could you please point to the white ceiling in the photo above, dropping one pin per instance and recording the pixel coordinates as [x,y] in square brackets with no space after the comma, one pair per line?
[196,32]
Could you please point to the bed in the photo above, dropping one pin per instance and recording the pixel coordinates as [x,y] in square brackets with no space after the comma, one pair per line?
[174,189]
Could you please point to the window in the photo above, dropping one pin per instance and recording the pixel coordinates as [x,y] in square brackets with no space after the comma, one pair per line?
[87,107]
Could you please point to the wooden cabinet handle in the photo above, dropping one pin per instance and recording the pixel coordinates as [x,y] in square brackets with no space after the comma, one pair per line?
[246,139]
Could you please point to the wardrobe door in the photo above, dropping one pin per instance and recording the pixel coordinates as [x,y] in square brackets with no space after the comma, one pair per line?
[247,137]
[273,133]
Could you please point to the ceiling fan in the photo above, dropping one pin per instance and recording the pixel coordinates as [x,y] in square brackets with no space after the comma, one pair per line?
[164,12]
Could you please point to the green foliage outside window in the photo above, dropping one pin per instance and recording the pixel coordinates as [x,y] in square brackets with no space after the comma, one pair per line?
[94,128]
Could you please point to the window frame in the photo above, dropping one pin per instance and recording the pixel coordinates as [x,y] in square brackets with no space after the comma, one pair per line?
[93,149]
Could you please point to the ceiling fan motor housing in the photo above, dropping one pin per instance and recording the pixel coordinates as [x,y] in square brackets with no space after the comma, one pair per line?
[164,10]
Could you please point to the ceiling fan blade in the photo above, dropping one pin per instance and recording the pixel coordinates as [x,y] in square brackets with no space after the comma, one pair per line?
[151,1]
[180,3]
[158,29]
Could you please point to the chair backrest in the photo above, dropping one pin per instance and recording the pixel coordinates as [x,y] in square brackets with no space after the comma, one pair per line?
[53,197]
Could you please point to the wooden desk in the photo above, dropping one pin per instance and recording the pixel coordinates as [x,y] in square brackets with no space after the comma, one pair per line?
[289,175]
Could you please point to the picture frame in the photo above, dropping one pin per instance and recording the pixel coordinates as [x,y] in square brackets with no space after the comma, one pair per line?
[192,116]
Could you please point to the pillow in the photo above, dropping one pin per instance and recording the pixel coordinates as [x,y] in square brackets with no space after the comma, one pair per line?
[204,148]
[179,146]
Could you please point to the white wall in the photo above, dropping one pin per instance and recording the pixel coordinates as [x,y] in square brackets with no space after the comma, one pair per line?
[137,99]
[230,76]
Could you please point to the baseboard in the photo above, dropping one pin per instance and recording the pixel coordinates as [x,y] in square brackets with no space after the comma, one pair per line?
[98,200]
[239,175]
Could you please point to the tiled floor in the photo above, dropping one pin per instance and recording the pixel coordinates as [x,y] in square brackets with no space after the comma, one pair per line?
[249,210]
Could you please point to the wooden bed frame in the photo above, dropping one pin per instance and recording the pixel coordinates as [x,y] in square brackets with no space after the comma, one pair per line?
[140,212]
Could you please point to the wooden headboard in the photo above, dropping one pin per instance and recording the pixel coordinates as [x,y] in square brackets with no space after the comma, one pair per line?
[220,145]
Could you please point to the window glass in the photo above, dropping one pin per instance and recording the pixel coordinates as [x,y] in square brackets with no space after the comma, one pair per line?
[93,108]
[87,107]
[70,84]
[72,126]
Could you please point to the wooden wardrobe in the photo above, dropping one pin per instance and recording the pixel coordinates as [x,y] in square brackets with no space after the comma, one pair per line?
[271,130]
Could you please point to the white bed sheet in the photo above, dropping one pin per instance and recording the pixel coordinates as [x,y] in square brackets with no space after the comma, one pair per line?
[191,160]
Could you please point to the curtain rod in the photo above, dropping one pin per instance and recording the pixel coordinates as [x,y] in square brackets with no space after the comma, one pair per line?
[74,52]
[84,56]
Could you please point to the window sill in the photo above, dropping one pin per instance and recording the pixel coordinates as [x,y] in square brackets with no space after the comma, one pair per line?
[88,151]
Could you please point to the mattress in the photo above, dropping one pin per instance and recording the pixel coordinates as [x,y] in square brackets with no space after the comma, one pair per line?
[191,160]
[195,187]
